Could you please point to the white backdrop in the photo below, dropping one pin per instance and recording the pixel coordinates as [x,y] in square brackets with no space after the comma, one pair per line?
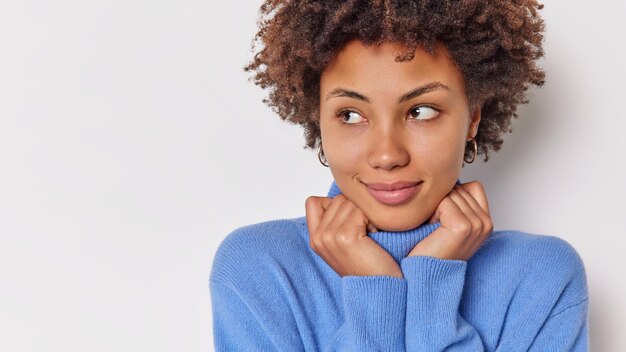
[131,144]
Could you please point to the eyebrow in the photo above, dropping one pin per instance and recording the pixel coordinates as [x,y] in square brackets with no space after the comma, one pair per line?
[429,87]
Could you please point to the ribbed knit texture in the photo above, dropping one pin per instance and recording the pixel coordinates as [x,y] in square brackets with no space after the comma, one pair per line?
[519,292]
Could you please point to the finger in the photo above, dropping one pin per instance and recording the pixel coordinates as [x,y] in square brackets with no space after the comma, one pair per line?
[344,215]
[462,203]
[487,222]
[354,215]
[478,209]
[314,209]
[472,217]
[437,214]
[434,218]
[347,226]
[358,218]
[331,210]
[349,222]
[452,217]
[477,191]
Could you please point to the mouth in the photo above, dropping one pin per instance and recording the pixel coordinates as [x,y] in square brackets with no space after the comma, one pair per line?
[393,193]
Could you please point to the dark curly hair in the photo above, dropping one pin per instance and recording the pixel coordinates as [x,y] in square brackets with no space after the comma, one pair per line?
[495,44]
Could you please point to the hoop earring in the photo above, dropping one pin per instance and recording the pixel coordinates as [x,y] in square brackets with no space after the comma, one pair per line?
[321,157]
[474,154]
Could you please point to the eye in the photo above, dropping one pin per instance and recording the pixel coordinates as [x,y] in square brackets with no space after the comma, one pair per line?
[349,117]
[423,112]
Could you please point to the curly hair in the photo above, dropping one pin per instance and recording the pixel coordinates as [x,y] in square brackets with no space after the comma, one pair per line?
[495,44]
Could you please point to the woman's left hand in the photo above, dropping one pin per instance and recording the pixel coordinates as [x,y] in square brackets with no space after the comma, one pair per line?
[465,224]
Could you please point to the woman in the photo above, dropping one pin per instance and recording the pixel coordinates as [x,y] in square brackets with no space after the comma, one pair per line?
[400,255]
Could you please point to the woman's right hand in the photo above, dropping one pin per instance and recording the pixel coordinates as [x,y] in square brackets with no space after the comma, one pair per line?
[338,234]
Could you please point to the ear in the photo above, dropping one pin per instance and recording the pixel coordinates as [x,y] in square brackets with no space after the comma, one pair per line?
[474,122]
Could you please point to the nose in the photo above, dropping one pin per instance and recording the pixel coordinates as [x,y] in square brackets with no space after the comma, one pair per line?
[388,148]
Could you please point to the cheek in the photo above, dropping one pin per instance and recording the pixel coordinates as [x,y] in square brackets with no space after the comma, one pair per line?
[344,157]
[342,148]
[439,151]
[339,152]
[440,158]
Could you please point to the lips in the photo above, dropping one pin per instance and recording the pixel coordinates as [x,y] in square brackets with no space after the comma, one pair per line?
[394,193]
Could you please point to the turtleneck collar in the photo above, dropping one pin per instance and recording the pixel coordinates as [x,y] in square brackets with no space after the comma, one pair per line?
[397,243]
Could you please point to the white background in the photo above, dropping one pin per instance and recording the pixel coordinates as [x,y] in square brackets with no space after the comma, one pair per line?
[131,144]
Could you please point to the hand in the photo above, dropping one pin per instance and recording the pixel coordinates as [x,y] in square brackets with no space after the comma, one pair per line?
[338,234]
[465,224]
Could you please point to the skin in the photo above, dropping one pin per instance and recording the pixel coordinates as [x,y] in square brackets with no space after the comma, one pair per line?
[384,140]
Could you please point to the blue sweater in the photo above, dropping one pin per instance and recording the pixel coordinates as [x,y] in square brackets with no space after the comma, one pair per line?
[519,292]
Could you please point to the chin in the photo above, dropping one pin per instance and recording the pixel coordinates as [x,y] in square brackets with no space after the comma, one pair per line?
[395,227]
[395,221]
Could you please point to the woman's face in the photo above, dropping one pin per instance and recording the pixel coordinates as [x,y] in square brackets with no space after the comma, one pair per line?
[384,122]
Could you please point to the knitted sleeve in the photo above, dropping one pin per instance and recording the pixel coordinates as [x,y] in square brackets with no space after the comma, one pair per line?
[374,308]
[565,330]
[235,328]
[416,313]
[250,308]
[433,321]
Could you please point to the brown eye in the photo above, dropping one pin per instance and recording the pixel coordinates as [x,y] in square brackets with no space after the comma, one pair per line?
[423,112]
[350,117]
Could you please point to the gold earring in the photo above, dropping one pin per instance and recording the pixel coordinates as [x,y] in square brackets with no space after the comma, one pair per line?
[321,157]
[474,154]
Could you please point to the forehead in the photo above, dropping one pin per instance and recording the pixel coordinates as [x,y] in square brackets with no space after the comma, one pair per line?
[359,66]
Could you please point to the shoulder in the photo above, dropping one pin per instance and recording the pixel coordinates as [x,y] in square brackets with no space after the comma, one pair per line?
[249,248]
[537,259]
[538,248]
